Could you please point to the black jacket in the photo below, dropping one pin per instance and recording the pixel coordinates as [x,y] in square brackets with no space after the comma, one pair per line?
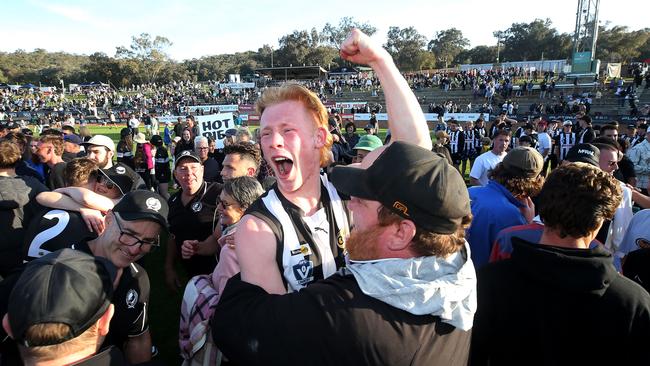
[548,305]
[330,322]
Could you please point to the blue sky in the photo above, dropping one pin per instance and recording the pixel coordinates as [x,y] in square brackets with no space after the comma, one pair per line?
[204,27]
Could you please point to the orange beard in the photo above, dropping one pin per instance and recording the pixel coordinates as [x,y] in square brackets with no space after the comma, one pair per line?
[362,244]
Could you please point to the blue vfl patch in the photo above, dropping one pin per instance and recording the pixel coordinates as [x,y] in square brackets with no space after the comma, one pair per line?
[304,272]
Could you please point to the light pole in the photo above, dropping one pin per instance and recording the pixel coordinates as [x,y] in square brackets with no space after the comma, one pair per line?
[271,56]
[499,35]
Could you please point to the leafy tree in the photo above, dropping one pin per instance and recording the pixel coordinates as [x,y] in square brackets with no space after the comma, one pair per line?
[335,35]
[148,53]
[406,46]
[619,44]
[528,41]
[477,55]
[447,44]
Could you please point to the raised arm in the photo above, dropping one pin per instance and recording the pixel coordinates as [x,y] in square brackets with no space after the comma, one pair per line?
[405,118]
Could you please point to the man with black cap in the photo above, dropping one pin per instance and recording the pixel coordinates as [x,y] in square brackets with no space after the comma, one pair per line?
[390,306]
[60,310]
[71,147]
[505,201]
[191,217]
[132,230]
[565,140]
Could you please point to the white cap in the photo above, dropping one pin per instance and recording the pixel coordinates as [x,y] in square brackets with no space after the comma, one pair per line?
[101,140]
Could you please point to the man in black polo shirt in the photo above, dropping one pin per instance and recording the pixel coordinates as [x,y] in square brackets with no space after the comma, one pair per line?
[132,230]
[191,217]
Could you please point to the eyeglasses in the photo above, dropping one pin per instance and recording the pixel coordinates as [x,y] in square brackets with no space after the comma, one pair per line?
[202,148]
[131,240]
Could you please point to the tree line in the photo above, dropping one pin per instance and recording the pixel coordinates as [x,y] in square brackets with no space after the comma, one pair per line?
[145,60]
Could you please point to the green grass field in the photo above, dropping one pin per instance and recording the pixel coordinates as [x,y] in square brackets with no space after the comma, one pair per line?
[164,309]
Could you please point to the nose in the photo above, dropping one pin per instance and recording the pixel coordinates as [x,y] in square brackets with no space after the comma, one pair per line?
[276,139]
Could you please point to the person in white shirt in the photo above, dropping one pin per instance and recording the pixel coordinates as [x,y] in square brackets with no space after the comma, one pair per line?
[478,176]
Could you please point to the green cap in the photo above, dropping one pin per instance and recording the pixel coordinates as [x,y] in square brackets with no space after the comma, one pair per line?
[368,142]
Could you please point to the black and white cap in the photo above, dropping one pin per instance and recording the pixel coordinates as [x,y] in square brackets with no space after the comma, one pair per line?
[143,205]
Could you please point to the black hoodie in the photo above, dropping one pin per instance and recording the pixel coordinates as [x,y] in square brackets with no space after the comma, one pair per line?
[17,207]
[549,305]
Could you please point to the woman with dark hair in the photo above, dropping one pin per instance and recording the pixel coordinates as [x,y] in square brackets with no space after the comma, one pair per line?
[125,148]
[143,159]
[186,142]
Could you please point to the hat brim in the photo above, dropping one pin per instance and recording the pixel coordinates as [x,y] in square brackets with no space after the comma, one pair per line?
[181,158]
[133,216]
[352,181]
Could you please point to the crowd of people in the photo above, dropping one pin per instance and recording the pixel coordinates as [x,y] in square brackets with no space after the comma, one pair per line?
[308,243]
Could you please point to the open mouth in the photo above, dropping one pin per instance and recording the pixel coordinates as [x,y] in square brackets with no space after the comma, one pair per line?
[283,166]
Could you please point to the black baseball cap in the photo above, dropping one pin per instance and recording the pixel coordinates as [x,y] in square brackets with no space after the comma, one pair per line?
[187,154]
[413,182]
[67,286]
[122,176]
[584,153]
[143,205]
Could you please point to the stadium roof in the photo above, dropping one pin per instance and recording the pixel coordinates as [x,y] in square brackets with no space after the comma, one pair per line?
[293,72]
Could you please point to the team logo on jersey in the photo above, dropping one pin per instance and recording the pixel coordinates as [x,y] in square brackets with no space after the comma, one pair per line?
[197,206]
[153,204]
[131,298]
[120,170]
[304,272]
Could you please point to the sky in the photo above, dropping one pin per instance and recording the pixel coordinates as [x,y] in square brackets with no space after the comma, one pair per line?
[203,27]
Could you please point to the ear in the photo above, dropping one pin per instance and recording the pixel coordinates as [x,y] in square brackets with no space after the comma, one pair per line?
[5,325]
[320,137]
[401,235]
[251,172]
[104,322]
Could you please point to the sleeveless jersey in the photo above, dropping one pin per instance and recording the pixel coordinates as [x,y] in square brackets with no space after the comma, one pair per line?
[302,255]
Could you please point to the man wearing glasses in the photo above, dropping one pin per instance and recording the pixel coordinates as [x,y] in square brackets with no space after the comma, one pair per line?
[132,230]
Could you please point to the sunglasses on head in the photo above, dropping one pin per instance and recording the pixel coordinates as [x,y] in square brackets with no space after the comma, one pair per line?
[105,181]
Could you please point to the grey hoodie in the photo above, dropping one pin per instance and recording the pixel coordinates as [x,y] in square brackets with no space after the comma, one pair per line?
[17,207]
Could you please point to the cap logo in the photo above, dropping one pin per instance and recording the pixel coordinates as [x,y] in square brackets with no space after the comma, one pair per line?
[586,152]
[153,204]
[399,206]
[120,170]
[131,298]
